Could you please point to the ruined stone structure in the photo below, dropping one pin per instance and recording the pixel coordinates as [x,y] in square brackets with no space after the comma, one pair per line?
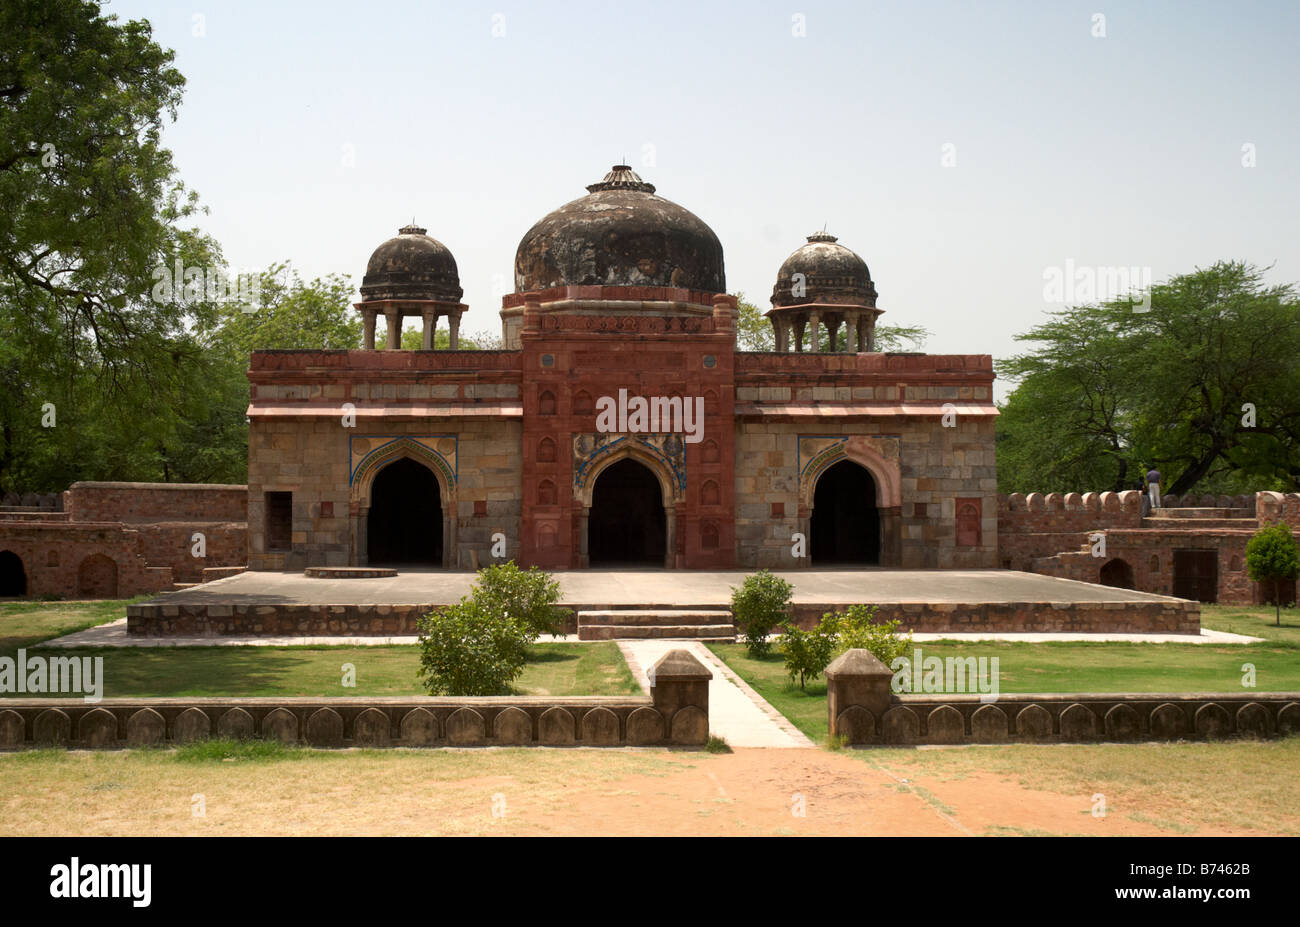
[620,425]
[1194,547]
[117,540]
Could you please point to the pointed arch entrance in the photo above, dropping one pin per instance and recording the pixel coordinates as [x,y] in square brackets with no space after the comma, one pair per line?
[627,523]
[405,524]
[845,522]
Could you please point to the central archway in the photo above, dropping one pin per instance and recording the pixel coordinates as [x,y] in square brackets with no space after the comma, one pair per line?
[845,526]
[13,578]
[404,526]
[627,524]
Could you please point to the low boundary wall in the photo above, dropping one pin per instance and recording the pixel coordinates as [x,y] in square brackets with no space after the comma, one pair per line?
[863,709]
[676,713]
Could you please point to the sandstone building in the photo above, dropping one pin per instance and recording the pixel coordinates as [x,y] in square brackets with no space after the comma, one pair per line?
[714,458]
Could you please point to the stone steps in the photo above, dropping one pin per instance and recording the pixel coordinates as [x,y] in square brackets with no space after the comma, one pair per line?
[1192,524]
[657,623]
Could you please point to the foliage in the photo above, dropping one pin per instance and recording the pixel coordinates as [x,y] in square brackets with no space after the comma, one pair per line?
[717,744]
[528,596]
[479,646]
[1203,384]
[466,649]
[754,333]
[413,340]
[1272,555]
[90,205]
[807,653]
[760,604]
[857,628]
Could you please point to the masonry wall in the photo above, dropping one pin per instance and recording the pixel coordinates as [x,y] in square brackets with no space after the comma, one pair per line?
[137,503]
[458,410]
[69,561]
[923,423]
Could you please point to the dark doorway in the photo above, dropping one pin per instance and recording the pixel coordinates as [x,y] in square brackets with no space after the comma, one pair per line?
[845,522]
[13,578]
[1196,575]
[626,523]
[1117,573]
[405,522]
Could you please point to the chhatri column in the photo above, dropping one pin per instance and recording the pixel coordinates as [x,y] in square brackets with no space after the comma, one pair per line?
[394,317]
[367,328]
[430,329]
[851,333]
[815,332]
[453,323]
[800,323]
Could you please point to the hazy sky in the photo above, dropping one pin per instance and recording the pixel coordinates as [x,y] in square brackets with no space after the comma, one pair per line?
[313,131]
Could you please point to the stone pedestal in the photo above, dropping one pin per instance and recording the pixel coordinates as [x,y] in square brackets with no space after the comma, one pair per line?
[858,694]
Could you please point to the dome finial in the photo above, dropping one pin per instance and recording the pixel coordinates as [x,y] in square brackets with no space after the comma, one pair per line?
[621,177]
[412,229]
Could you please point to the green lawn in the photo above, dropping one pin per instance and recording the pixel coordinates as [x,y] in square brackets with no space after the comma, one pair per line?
[23,624]
[1255,620]
[552,669]
[1068,667]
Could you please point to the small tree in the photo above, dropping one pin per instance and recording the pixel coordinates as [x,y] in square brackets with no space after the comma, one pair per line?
[760,604]
[857,628]
[1272,556]
[527,595]
[479,646]
[467,650]
[808,653]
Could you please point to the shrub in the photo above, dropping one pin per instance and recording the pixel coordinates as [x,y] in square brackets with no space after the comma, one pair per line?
[760,604]
[528,596]
[1272,556]
[466,649]
[807,653]
[857,628]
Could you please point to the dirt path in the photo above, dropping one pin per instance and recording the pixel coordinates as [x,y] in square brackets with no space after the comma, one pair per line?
[534,792]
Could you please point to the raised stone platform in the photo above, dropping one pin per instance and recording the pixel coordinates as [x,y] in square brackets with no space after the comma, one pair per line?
[931,601]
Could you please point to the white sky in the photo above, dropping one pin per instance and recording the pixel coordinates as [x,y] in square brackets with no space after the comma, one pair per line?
[313,131]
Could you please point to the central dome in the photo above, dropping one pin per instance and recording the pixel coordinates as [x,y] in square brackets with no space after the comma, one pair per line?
[620,234]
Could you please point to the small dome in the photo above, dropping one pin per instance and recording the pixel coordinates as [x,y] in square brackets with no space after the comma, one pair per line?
[412,266]
[831,274]
[620,234]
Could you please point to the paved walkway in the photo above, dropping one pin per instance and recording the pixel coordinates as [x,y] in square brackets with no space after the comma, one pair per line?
[664,588]
[114,634]
[737,713]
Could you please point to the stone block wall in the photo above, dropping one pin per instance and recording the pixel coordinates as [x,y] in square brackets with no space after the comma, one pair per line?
[76,561]
[299,443]
[143,503]
[936,466]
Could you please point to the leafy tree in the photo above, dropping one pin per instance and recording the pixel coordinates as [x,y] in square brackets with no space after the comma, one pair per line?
[755,333]
[760,604]
[1272,557]
[90,206]
[1203,384]
[807,653]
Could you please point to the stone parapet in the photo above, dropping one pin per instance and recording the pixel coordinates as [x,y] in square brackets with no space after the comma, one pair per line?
[675,714]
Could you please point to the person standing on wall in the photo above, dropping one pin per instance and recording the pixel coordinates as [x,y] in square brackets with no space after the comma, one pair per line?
[1153,486]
